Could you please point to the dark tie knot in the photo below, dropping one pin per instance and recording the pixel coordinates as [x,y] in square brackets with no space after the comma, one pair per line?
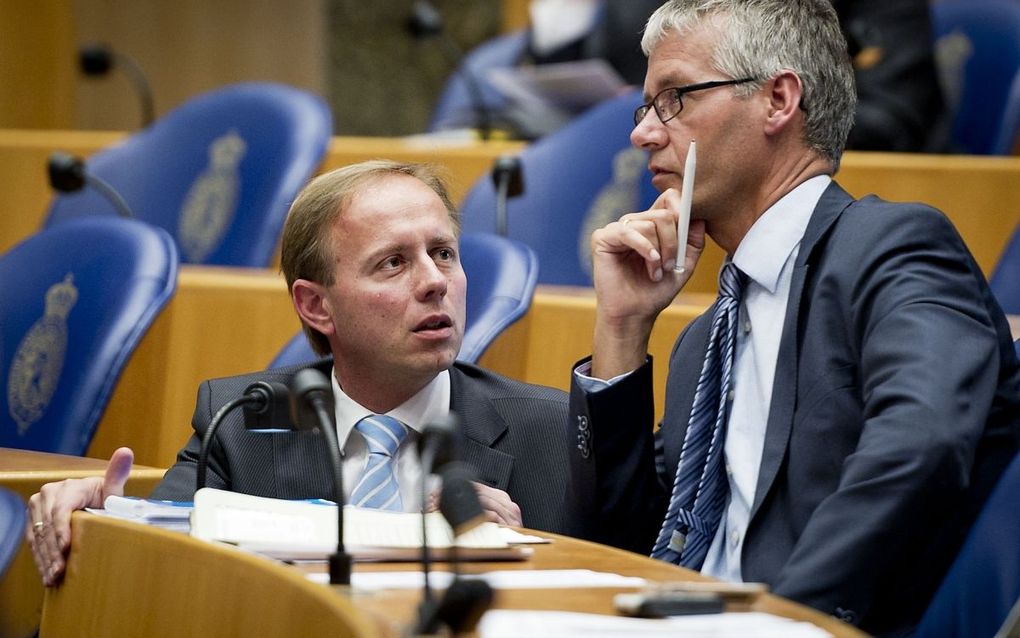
[731,281]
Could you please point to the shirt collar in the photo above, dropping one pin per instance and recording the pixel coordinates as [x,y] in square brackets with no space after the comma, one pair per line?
[432,403]
[768,244]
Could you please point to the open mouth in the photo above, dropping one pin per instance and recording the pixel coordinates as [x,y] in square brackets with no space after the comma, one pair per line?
[434,323]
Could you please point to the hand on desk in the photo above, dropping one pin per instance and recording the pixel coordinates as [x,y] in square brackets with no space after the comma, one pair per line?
[48,531]
[497,504]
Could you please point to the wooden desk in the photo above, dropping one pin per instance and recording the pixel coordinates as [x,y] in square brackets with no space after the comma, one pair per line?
[24,472]
[125,578]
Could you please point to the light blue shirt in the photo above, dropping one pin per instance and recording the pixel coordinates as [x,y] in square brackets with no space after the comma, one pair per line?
[766,255]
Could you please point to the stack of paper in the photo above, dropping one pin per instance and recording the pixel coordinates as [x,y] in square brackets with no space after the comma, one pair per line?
[172,515]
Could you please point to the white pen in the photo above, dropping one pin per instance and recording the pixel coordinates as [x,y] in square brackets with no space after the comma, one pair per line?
[685,209]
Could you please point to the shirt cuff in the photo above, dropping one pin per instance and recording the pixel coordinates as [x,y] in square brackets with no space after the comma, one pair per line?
[588,383]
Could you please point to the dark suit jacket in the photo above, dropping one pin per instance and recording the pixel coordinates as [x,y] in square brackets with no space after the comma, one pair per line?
[512,433]
[894,409]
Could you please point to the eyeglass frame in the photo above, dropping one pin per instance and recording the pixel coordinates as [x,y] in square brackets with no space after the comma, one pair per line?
[641,112]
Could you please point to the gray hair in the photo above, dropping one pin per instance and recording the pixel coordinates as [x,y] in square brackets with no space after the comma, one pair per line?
[760,38]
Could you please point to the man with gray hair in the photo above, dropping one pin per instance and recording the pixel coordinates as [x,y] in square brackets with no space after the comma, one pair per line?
[835,420]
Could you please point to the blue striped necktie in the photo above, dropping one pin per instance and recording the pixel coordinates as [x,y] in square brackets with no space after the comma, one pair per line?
[701,487]
[377,488]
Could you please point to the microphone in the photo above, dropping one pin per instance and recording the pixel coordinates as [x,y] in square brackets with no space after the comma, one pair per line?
[98,59]
[508,178]
[68,174]
[464,601]
[425,22]
[435,449]
[260,398]
[311,404]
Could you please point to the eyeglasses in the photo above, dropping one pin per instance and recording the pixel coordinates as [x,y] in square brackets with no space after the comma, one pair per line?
[668,102]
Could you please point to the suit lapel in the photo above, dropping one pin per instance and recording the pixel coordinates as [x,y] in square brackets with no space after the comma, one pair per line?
[784,389]
[300,460]
[481,427]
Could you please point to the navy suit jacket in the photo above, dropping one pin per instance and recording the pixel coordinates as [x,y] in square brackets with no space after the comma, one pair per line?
[894,409]
[512,433]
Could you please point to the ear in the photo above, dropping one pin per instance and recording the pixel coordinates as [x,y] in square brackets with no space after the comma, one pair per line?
[785,92]
[312,306]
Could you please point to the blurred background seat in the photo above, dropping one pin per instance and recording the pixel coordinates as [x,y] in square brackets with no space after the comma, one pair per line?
[218,173]
[576,180]
[501,275]
[12,527]
[76,300]
[977,45]
[983,584]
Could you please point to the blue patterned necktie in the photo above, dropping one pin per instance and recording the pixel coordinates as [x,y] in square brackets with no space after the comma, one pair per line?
[377,488]
[701,487]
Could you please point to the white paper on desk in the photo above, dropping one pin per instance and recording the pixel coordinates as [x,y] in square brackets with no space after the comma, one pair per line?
[565,86]
[500,623]
[500,579]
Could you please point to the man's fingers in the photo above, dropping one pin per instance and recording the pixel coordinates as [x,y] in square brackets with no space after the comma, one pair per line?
[498,506]
[117,472]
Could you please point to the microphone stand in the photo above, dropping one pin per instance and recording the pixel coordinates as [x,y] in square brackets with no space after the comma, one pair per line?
[509,182]
[311,406]
[68,174]
[97,59]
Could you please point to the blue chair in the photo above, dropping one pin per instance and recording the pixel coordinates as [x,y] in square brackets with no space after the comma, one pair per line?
[75,301]
[1005,280]
[455,106]
[978,49]
[576,180]
[218,173]
[983,584]
[501,282]
[12,527]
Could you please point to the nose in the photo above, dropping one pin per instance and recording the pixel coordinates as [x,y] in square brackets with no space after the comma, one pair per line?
[650,133]
[432,281]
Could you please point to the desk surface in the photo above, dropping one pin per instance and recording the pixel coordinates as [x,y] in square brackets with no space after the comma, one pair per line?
[24,472]
[111,583]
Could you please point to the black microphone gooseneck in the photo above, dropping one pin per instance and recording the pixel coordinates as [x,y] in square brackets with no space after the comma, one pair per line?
[311,408]
[508,179]
[425,22]
[435,449]
[98,59]
[465,600]
[259,397]
[68,174]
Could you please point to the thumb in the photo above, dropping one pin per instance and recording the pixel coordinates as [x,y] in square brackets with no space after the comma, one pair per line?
[117,472]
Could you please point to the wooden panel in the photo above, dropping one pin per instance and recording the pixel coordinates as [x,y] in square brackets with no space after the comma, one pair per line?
[37,64]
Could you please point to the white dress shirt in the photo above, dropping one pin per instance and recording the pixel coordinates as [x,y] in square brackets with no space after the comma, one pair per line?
[430,404]
[766,255]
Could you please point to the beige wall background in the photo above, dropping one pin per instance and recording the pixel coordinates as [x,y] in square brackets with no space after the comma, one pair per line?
[356,54]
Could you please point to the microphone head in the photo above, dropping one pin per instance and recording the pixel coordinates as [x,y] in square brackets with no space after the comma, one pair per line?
[67,172]
[463,604]
[95,59]
[424,21]
[308,385]
[271,412]
[508,167]
[458,501]
[437,444]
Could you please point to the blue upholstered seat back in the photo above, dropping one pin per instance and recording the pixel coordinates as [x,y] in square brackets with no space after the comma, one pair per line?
[75,301]
[218,173]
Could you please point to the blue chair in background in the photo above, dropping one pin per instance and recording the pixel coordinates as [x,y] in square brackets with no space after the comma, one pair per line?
[12,527]
[576,180]
[983,584]
[455,107]
[501,274]
[1005,279]
[218,173]
[977,45]
[75,301]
